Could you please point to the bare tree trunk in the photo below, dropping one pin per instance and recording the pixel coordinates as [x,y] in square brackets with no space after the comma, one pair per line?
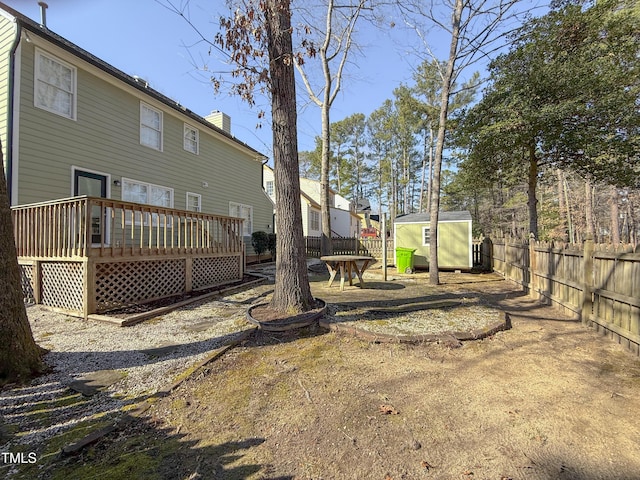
[588,208]
[562,205]
[615,215]
[20,356]
[434,273]
[292,293]
[423,174]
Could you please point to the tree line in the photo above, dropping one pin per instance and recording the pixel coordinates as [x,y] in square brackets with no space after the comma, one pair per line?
[550,146]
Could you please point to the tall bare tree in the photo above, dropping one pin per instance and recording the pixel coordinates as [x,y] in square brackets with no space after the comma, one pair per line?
[256,41]
[475,30]
[20,356]
[334,47]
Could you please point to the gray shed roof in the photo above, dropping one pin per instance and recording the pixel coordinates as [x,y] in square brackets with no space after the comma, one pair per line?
[463,215]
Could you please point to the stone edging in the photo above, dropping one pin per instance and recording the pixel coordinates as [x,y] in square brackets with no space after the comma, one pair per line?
[447,338]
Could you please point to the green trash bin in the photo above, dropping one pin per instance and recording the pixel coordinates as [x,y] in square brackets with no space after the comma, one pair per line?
[404,259]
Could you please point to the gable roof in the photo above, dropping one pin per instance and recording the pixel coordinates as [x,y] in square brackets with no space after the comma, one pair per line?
[141,85]
[460,216]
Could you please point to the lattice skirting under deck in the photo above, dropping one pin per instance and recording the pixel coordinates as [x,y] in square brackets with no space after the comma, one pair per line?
[119,284]
[215,270]
[62,285]
[26,280]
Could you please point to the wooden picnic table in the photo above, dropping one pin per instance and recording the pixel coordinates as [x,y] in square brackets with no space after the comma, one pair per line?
[346,264]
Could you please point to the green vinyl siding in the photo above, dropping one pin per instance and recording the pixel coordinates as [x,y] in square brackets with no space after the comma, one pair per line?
[454,243]
[105,137]
[7,38]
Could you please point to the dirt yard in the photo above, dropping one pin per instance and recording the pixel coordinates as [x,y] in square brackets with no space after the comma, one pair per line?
[548,399]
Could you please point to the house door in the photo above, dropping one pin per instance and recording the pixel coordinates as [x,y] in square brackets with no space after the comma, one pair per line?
[93,185]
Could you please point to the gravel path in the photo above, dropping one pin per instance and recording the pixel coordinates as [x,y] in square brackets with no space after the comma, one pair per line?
[147,357]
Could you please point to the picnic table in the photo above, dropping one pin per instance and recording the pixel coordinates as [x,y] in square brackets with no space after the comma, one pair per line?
[346,264]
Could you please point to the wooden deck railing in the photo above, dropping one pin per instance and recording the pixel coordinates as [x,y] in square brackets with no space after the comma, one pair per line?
[81,227]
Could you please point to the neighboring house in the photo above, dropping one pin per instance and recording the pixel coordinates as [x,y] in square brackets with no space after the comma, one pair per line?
[455,249]
[73,125]
[311,224]
[344,220]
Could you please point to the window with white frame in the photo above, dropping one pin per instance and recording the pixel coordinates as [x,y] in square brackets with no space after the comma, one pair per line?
[150,127]
[191,139]
[194,202]
[269,188]
[246,213]
[314,222]
[55,85]
[426,236]
[141,192]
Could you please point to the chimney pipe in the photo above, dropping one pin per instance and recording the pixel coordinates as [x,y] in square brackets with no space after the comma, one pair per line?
[43,14]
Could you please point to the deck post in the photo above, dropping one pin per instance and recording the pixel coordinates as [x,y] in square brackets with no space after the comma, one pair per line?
[89,287]
[188,274]
[36,269]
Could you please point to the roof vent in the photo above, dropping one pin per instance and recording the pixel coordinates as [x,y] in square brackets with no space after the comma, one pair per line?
[43,14]
[141,81]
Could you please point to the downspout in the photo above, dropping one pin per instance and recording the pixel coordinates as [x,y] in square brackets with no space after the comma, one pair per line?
[10,127]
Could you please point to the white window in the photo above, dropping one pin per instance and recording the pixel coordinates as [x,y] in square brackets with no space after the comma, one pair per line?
[54,85]
[426,236]
[194,202]
[150,127]
[270,188]
[140,192]
[245,212]
[191,139]
[315,220]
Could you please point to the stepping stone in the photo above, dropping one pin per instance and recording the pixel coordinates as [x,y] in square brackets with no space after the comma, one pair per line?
[162,349]
[90,384]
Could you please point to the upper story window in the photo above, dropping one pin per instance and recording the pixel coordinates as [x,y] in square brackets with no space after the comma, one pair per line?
[191,139]
[150,127]
[269,188]
[55,85]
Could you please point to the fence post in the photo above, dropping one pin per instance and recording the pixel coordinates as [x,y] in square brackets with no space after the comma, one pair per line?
[528,283]
[487,254]
[587,280]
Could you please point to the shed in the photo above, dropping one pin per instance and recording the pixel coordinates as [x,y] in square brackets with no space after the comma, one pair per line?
[455,249]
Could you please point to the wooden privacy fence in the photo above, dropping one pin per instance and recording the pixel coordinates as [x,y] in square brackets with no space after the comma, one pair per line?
[89,255]
[350,246]
[598,283]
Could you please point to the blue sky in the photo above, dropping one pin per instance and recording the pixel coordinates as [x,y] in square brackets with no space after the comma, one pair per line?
[141,37]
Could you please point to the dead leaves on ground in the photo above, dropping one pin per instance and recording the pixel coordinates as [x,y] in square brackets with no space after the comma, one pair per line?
[388,410]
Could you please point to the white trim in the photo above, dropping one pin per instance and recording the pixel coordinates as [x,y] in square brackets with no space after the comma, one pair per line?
[161,131]
[147,98]
[192,194]
[243,205]
[95,172]
[184,138]
[15,144]
[39,52]
[107,225]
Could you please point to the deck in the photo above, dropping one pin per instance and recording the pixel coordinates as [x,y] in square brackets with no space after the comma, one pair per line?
[86,255]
